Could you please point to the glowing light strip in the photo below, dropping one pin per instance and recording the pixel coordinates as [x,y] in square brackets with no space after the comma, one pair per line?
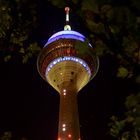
[68,58]
[67,17]
[66,34]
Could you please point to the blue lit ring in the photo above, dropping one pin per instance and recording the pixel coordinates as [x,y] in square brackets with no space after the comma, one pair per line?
[68,58]
[65,34]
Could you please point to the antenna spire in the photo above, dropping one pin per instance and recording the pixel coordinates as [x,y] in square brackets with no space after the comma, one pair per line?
[67,9]
[67,26]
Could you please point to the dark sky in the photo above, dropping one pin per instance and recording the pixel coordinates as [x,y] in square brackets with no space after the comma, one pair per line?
[29,106]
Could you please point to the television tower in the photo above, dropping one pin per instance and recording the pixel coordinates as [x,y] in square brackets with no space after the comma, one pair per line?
[67,63]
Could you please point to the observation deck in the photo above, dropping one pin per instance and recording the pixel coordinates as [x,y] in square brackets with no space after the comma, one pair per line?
[61,64]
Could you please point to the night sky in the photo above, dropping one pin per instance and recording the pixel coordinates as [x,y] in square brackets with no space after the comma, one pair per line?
[29,107]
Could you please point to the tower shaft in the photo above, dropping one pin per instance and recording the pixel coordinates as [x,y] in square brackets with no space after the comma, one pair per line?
[68,117]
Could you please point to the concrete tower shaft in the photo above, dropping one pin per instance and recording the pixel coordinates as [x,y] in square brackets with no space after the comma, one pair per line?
[68,116]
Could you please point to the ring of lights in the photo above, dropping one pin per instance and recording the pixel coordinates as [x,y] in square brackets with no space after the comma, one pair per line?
[67,35]
[68,58]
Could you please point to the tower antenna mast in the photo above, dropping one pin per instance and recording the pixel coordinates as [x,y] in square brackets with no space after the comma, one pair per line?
[67,26]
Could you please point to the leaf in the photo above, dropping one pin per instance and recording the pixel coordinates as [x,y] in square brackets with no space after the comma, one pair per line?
[26,57]
[2,33]
[18,38]
[95,27]
[114,29]
[135,4]
[133,106]
[116,126]
[83,47]
[130,46]
[102,2]
[122,72]
[7,58]
[6,136]
[101,48]
[58,3]
[90,5]
[107,11]
[137,79]
[22,50]
[33,48]
[137,123]
[130,101]
[75,1]
[125,136]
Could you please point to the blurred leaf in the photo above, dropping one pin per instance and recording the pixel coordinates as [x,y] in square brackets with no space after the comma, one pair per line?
[34,48]
[129,119]
[90,5]
[122,72]
[114,29]
[135,4]
[102,2]
[137,123]
[26,57]
[83,48]
[130,46]
[101,48]
[125,136]
[116,126]
[6,136]
[22,50]
[2,33]
[75,1]
[19,40]
[95,27]
[130,101]
[81,45]
[7,58]
[121,15]
[58,3]
[106,12]
[137,79]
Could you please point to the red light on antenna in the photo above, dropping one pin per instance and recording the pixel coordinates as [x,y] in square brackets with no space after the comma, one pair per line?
[67,9]
[69,135]
[59,138]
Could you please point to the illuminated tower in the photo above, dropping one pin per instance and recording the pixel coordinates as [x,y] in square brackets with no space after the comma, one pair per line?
[66,67]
